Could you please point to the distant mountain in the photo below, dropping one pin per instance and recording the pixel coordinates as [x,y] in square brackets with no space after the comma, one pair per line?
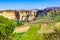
[49,8]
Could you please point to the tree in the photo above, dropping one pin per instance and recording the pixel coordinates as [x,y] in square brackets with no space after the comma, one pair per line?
[6,28]
[55,16]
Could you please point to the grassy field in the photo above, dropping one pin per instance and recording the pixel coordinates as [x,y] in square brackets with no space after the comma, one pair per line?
[17,36]
[33,34]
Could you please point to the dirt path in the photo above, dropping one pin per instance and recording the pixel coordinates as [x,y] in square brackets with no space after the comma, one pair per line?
[21,29]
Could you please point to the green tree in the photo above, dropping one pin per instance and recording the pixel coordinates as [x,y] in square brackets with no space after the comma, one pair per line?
[6,28]
[55,16]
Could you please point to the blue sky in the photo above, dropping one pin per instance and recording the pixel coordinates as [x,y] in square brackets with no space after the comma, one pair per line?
[28,4]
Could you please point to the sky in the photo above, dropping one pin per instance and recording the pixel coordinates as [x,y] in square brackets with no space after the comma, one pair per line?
[28,4]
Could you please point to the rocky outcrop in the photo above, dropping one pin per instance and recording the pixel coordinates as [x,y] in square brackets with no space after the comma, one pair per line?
[8,13]
[28,14]
[19,14]
[48,11]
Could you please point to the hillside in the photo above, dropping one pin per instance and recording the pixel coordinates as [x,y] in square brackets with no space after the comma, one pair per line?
[29,14]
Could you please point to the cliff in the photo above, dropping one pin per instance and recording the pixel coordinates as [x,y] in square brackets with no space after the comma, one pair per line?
[28,14]
[18,14]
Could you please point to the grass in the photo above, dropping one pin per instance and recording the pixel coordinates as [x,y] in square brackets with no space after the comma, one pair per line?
[32,33]
[33,28]
[57,25]
[17,35]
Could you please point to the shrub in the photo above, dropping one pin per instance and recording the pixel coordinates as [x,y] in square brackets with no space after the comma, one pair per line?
[55,16]
[3,19]
[6,28]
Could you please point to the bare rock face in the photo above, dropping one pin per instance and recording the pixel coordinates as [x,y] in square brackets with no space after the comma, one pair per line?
[19,15]
[27,14]
[8,13]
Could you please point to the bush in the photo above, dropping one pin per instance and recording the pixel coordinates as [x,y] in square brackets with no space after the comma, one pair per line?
[55,16]
[6,27]
[18,23]
[3,19]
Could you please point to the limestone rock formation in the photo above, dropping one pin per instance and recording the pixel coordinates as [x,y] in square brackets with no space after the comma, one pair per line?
[28,14]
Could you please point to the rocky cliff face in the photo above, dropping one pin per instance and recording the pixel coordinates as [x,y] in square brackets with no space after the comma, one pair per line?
[8,13]
[28,14]
[48,11]
[19,15]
